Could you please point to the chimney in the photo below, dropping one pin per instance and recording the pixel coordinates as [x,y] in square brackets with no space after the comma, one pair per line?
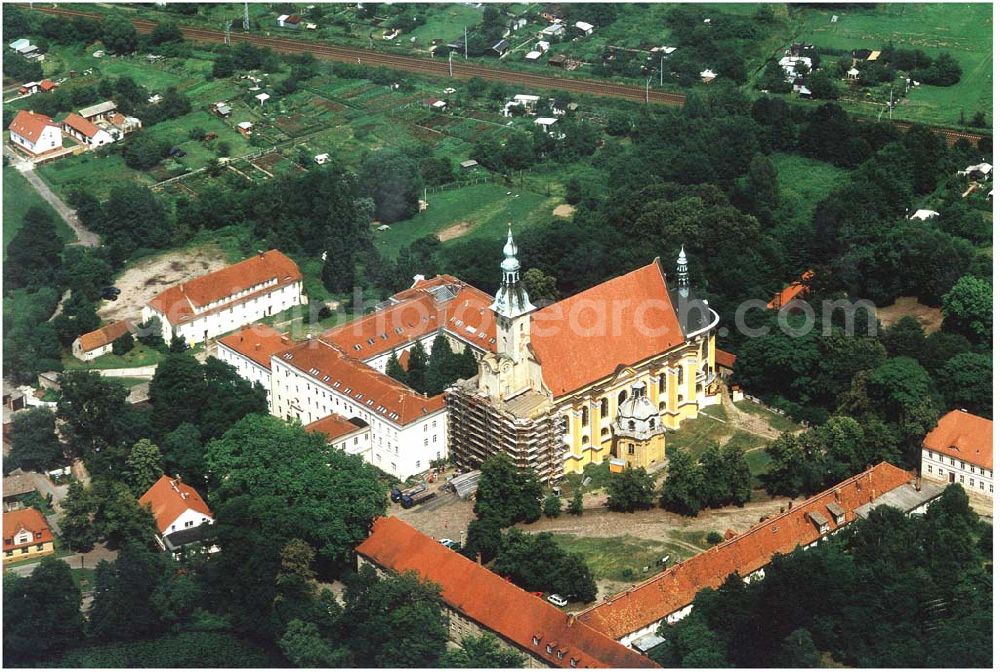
[479,558]
[256,346]
[260,253]
[571,619]
[917,484]
[284,339]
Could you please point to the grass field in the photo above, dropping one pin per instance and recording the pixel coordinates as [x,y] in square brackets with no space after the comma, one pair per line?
[609,557]
[18,196]
[802,183]
[97,175]
[480,211]
[140,355]
[964,30]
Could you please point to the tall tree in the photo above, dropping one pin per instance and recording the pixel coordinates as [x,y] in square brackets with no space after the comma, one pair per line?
[630,490]
[34,444]
[145,466]
[441,365]
[416,368]
[684,484]
[177,392]
[507,493]
[394,621]
[968,308]
[393,181]
[119,35]
[123,608]
[41,613]
[394,369]
[33,253]
[483,651]
[94,411]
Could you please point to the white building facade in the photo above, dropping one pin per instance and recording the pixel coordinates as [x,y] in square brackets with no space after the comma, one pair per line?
[35,133]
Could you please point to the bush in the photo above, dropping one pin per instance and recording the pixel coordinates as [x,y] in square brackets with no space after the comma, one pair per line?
[123,345]
[628,574]
[552,506]
[713,538]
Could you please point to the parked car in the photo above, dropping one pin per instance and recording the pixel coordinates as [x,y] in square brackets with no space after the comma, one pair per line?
[110,293]
[446,542]
[558,600]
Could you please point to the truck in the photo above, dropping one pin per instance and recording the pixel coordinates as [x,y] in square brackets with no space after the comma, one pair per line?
[415,495]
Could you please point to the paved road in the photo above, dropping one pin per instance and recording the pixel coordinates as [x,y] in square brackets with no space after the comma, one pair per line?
[90,561]
[84,236]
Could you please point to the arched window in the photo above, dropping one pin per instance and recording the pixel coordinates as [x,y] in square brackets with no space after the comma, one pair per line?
[622,396]
[585,416]
[604,431]
[652,423]
[604,407]
[663,405]
[663,383]
[585,440]
[680,374]
[631,425]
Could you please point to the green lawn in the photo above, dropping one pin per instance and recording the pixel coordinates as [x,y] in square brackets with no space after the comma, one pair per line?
[127,382]
[964,30]
[18,196]
[140,355]
[445,22]
[83,578]
[486,209]
[802,183]
[97,175]
[778,422]
[610,557]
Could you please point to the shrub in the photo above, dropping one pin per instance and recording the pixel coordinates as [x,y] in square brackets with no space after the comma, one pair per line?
[713,537]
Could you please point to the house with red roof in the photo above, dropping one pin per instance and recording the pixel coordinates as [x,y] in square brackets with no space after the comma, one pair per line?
[86,131]
[478,601]
[99,342]
[638,612]
[179,511]
[35,133]
[225,300]
[26,534]
[960,450]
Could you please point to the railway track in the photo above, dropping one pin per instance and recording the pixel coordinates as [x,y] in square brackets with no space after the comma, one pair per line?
[430,66]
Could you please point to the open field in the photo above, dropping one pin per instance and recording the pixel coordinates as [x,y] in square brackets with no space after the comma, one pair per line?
[622,559]
[481,210]
[804,182]
[18,196]
[964,30]
[94,174]
[927,316]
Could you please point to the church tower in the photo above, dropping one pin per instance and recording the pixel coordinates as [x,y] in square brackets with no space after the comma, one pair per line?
[683,284]
[638,433]
[512,306]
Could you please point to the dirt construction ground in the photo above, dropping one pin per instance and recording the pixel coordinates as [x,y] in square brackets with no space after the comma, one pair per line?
[147,278]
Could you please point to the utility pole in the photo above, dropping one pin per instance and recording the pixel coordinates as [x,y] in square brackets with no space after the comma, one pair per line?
[890,103]
[226,27]
[450,54]
[246,17]
[647,88]
[661,70]
[466,43]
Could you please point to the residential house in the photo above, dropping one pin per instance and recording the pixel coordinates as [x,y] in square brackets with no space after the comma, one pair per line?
[584,27]
[86,131]
[547,124]
[99,111]
[500,48]
[553,30]
[707,76]
[542,46]
[26,534]
[180,513]
[791,66]
[924,215]
[532,55]
[558,61]
[123,123]
[979,171]
[35,133]
[477,601]
[15,486]
[631,615]
[468,164]
[725,362]
[289,21]
[245,128]
[262,97]
[960,450]
[223,109]
[227,299]
[436,103]
[100,341]
[249,351]
[18,45]
[322,159]
[44,86]
[351,435]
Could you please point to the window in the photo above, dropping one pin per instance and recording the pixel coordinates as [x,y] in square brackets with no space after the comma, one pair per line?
[631,449]
[425,443]
[417,465]
[680,374]
[652,423]
[982,485]
[952,461]
[663,383]
[940,471]
[39,547]
[604,407]
[631,425]
[622,396]
[585,440]
[585,416]
[961,478]
[434,439]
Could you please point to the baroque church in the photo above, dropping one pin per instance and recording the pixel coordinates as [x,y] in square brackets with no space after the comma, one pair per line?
[606,374]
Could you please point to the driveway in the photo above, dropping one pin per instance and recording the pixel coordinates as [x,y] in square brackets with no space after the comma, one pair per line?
[77,561]
[84,236]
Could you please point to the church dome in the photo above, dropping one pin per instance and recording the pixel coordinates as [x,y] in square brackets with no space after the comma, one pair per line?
[637,416]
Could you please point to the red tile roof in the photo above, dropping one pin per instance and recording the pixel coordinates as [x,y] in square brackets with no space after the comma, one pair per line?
[178,303]
[331,366]
[29,125]
[257,342]
[169,498]
[335,426]
[416,314]
[588,336]
[47,85]
[294,18]
[964,436]
[31,520]
[725,359]
[106,335]
[675,588]
[494,603]
[81,125]
[793,291]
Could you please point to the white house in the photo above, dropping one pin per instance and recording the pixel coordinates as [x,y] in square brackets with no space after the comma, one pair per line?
[960,450]
[407,430]
[532,55]
[249,351]
[227,299]
[322,159]
[99,342]
[86,131]
[584,27]
[707,76]
[178,510]
[35,133]
[553,30]
[789,65]
[924,215]
[262,97]
[978,171]
[547,124]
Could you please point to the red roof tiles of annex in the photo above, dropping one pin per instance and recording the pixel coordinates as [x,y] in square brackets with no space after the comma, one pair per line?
[965,436]
[484,597]
[178,303]
[676,587]
[327,364]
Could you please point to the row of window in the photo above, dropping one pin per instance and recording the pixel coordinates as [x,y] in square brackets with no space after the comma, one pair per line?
[961,464]
[25,550]
[961,479]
